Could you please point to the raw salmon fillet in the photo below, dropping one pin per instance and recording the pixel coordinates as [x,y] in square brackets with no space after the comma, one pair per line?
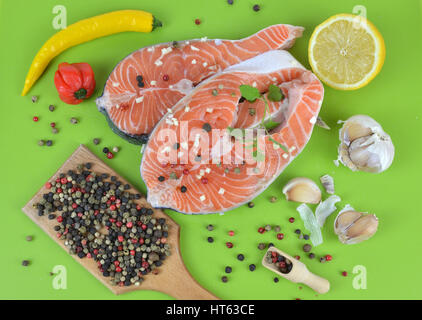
[146,83]
[194,163]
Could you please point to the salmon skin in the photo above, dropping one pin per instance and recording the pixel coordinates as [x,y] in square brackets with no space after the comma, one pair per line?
[194,164]
[146,83]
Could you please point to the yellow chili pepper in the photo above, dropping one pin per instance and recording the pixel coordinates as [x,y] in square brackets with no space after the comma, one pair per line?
[86,30]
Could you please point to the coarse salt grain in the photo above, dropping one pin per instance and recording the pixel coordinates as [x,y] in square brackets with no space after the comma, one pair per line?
[205,64]
[202,198]
[139,99]
[203,39]
[194,61]
[207,170]
[166,149]
[150,49]
[115,84]
[221,191]
[153,82]
[285,155]
[209,110]
[184,145]
[313,120]
[187,108]
[158,63]
[254,84]
[194,48]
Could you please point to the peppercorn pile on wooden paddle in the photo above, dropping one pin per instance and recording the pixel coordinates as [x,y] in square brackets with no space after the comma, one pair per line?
[173,278]
[299,273]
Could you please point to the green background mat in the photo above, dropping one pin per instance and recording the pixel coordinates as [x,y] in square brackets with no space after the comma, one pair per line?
[392,257]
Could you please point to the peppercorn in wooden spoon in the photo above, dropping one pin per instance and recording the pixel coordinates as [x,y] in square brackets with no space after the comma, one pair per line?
[293,270]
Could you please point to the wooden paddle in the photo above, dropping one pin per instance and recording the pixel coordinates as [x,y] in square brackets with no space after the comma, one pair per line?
[173,278]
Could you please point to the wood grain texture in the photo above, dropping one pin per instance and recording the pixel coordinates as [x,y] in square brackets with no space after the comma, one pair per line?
[173,278]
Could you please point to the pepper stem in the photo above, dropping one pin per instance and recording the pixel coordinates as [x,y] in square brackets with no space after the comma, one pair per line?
[156,23]
[80,94]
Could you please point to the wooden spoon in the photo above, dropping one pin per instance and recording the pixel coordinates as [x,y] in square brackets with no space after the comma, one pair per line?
[299,273]
[173,278]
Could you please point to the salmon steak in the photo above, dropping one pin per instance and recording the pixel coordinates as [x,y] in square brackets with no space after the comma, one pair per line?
[213,152]
[146,83]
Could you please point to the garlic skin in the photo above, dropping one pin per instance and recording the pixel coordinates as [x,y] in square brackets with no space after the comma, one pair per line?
[353,227]
[364,145]
[302,190]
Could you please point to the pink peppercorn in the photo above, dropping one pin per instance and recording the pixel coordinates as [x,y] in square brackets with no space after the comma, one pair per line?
[231,233]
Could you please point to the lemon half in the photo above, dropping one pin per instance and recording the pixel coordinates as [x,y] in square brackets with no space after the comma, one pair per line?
[346,51]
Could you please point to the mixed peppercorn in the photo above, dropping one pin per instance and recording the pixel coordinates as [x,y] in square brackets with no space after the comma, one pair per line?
[282,264]
[100,219]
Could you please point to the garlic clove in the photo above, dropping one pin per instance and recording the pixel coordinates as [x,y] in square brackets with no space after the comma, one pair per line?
[327,182]
[364,145]
[302,190]
[345,219]
[362,229]
[353,227]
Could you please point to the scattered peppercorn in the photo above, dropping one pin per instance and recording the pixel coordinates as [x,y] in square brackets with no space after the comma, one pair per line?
[251,204]
[256,8]
[297,257]
[183,189]
[252,267]
[96,141]
[275,279]
[35,119]
[240,257]
[273,199]
[51,107]
[25,263]
[166,77]
[41,143]
[34,99]
[277,229]
[322,259]
[106,150]
[228,269]
[110,155]
[280,236]
[297,231]
[54,130]
[262,246]
[231,233]
[311,255]
[229,245]
[210,239]
[230,2]
[161,178]
[49,143]
[270,245]
[197,22]
[261,230]
[29,238]
[206,127]
[291,219]
[210,227]
[307,247]
[328,257]
[73,120]
[224,279]
[267,227]
[344,273]
[116,149]
[306,237]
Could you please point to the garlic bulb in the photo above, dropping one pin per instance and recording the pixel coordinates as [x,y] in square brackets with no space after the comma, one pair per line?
[354,227]
[364,145]
[302,190]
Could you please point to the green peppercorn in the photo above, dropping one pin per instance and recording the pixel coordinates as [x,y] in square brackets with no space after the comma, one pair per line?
[96,141]
[267,227]
[273,199]
[29,238]
[41,143]
[262,246]
[210,227]
[73,120]
[277,229]
[54,130]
